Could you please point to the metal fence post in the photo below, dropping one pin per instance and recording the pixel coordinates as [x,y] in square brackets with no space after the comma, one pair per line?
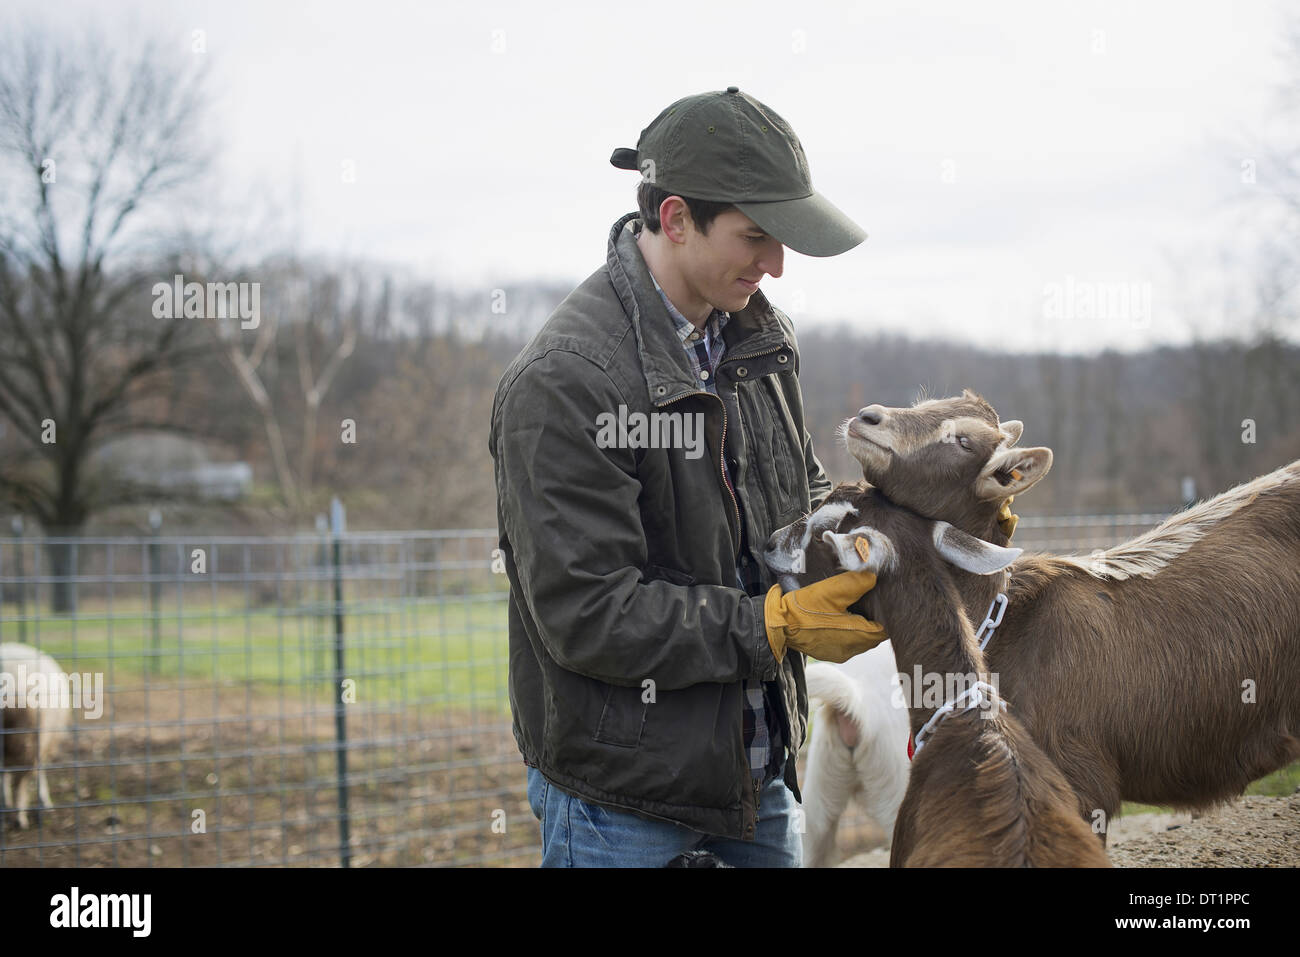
[319,608]
[17,526]
[155,586]
[338,523]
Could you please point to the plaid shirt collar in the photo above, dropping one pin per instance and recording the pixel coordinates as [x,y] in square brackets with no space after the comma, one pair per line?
[686,330]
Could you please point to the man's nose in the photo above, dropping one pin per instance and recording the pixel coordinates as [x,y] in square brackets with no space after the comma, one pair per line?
[773,263]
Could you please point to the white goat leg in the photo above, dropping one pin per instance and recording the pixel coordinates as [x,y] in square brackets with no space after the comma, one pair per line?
[23,797]
[875,769]
[830,782]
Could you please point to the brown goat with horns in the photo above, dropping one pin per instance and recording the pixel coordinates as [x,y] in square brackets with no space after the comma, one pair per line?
[981,792]
[1165,670]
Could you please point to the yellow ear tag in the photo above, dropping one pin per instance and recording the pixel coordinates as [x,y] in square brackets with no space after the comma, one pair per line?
[863,548]
[1015,474]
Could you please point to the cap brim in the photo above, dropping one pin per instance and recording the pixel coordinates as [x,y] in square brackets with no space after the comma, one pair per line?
[810,225]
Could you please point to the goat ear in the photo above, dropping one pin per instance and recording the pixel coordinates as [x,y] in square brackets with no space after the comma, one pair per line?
[970,553]
[1012,471]
[1012,430]
[861,550]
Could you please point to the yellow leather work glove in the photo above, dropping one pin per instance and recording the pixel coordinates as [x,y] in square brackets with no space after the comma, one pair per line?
[1006,520]
[813,619]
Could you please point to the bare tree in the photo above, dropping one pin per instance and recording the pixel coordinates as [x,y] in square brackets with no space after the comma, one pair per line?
[425,434]
[312,327]
[92,143]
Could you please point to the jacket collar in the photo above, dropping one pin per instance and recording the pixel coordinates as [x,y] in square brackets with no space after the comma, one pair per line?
[667,371]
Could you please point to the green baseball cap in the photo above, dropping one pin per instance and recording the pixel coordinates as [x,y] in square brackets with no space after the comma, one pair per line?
[727,147]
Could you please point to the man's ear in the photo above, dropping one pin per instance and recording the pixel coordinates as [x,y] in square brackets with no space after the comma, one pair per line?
[1012,471]
[861,550]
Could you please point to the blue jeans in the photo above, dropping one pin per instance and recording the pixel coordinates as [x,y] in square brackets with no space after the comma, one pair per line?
[578,834]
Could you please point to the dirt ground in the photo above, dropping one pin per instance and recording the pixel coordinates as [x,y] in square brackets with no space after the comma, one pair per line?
[426,787]
[1250,832]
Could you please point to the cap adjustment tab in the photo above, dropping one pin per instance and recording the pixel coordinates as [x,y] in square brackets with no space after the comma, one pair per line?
[624,158]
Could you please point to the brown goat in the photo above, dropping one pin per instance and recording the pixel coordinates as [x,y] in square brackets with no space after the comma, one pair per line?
[1165,670]
[981,793]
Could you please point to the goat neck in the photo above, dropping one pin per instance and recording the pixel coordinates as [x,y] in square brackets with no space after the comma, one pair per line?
[928,627]
[980,519]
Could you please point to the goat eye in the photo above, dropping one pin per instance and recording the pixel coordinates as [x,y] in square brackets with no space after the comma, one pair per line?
[965,442]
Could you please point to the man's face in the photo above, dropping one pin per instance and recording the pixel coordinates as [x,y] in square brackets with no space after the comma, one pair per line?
[717,266]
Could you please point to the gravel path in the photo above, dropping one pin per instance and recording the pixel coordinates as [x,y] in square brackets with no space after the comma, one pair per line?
[1250,832]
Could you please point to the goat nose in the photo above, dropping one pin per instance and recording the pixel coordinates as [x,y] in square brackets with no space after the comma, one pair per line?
[872,414]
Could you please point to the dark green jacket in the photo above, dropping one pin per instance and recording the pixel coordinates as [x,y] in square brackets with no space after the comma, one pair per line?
[629,638]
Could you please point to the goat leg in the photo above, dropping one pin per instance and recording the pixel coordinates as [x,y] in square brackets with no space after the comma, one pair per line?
[23,799]
[43,790]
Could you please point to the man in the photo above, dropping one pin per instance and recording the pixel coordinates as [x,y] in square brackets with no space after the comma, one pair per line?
[646,443]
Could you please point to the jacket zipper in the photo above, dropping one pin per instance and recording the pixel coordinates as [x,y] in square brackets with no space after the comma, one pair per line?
[751,355]
[750,824]
[722,467]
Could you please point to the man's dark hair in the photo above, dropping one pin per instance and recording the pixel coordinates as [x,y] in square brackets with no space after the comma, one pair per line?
[703,211]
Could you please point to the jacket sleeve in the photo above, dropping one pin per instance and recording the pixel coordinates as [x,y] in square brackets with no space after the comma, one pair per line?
[571,512]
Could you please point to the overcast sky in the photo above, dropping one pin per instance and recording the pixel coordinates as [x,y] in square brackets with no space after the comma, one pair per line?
[1007,159]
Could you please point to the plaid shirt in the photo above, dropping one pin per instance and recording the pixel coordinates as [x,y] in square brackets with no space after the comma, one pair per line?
[762,725]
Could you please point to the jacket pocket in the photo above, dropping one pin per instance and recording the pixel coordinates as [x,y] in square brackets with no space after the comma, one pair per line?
[622,717]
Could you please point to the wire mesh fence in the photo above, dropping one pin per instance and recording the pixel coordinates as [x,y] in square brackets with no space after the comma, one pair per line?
[317,700]
[278,700]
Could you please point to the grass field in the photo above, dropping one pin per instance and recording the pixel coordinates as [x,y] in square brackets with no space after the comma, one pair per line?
[426,650]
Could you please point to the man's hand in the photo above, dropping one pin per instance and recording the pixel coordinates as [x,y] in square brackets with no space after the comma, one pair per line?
[1006,520]
[814,620]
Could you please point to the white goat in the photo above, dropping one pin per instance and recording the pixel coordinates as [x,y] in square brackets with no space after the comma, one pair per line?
[31,732]
[858,747]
